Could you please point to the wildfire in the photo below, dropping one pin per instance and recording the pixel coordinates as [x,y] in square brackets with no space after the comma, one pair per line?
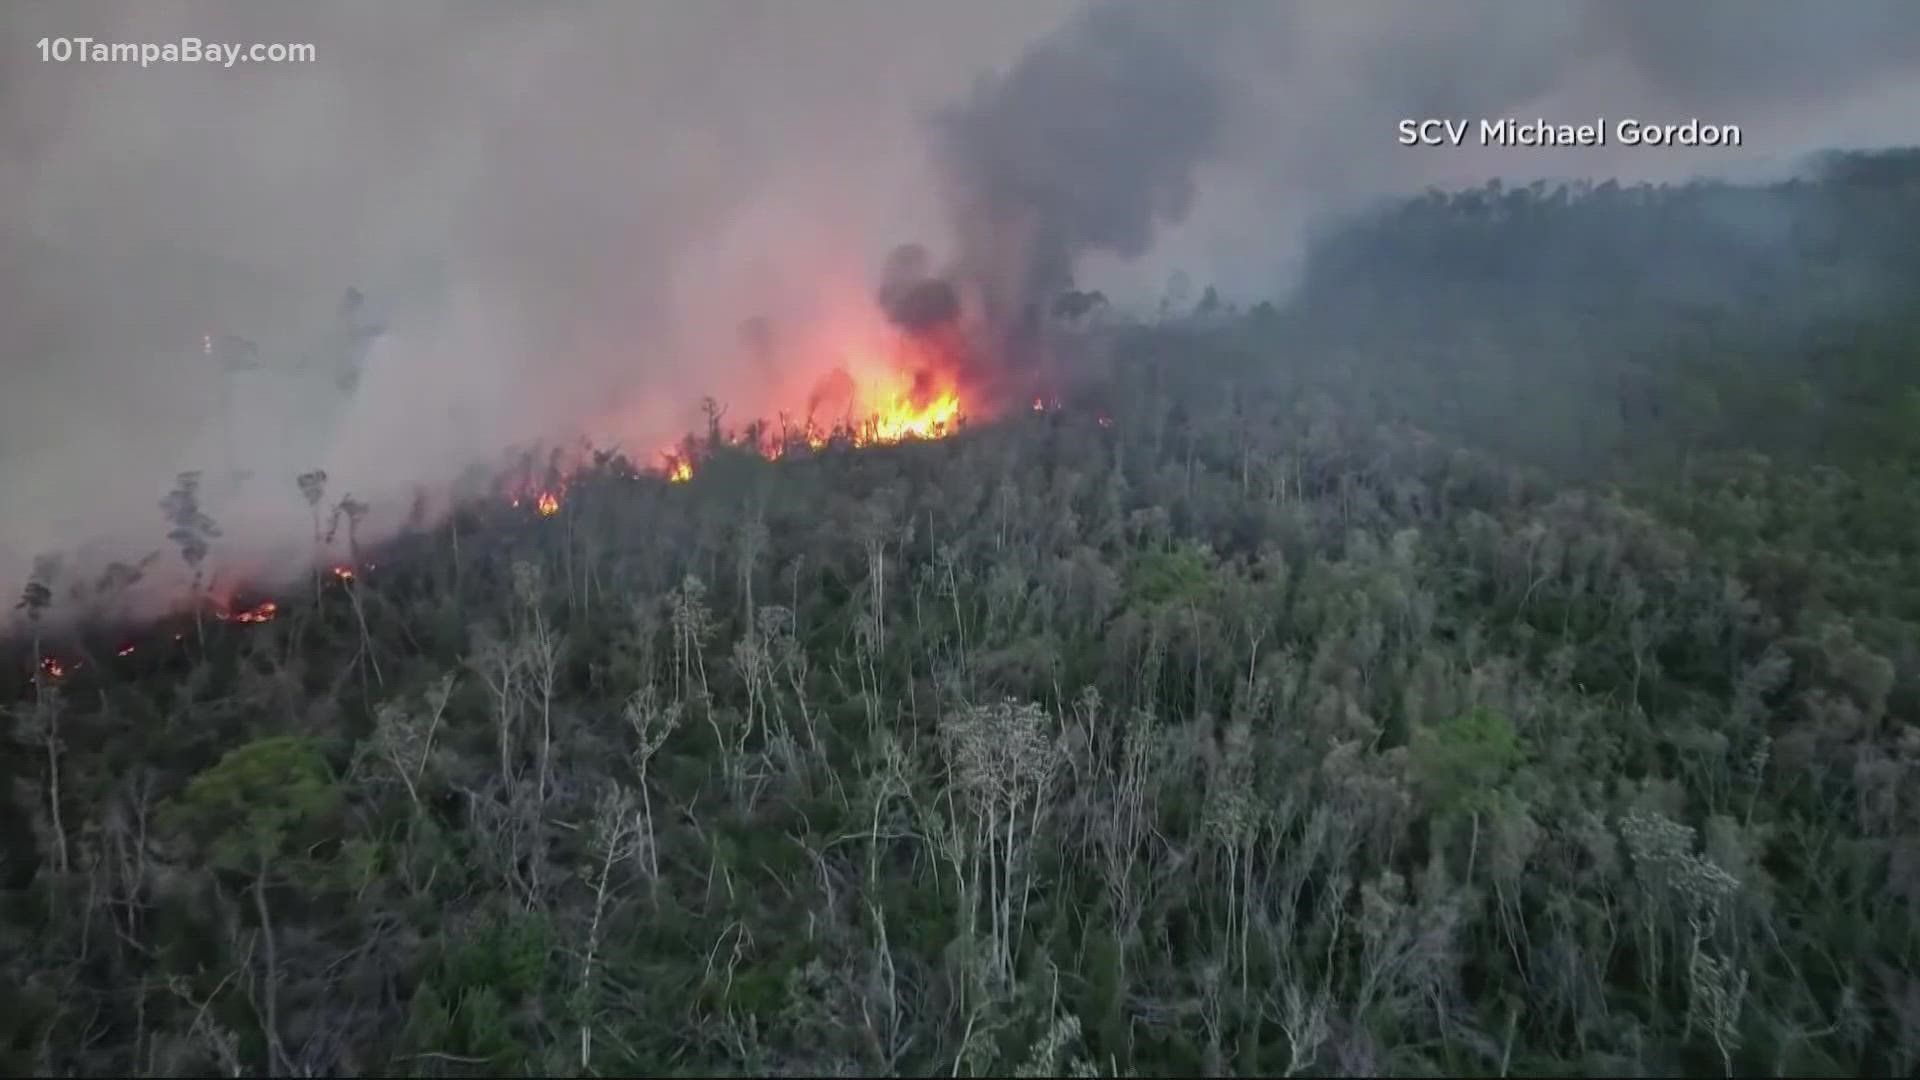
[543,495]
[342,573]
[264,611]
[53,668]
[912,414]
[124,650]
[902,419]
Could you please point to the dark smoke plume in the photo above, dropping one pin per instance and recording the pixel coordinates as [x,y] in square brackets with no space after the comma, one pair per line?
[1089,142]
[913,298]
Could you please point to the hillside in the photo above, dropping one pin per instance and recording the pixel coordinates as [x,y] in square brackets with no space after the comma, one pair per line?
[1501,658]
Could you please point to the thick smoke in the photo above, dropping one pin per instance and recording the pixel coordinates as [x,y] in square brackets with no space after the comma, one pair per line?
[1089,143]
[912,295]
[1101,138]
[559,214]
[578,218]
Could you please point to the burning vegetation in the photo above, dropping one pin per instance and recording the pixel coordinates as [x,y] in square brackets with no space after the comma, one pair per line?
[915,412]
[920,370]
[928,378]
[264,611]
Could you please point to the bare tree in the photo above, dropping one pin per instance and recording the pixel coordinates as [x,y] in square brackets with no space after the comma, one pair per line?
[192,531]
[313,488]
[652,724]
[618,835]
[1002,764]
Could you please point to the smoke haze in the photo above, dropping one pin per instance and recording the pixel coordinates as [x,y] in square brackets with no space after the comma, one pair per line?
[579,218]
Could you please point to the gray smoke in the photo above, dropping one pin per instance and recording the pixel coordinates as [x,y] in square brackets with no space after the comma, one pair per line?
[561,213]
[914,297]
[1100,139]
[1088,143]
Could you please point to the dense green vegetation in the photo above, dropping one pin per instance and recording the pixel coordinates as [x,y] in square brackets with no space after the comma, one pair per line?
[1501,659]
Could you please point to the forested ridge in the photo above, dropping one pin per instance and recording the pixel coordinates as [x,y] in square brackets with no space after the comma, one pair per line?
[1501,658]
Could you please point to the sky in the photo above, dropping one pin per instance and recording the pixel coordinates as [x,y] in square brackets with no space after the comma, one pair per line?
[562,212]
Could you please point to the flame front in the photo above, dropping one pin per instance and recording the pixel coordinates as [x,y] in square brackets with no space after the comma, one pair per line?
[913,412]
[264,611]
[902,419]
[548,504]
[843,376]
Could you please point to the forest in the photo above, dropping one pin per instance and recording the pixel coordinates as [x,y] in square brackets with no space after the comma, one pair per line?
[1500,656]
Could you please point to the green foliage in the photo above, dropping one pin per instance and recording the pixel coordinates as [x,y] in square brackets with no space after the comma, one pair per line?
[1461,764]
[481,1028]
[1180,576]
[510,954]
[261,801]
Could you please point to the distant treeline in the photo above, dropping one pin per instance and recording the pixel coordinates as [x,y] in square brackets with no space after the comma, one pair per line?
[1587,325]
[1746,358]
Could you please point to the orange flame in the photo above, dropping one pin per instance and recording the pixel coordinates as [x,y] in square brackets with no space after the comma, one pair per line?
[264,611]
[902,419]
[342,572]
[544,500]
[914,411]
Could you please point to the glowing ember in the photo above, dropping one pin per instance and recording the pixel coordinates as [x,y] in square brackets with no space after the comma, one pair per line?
[125,650]
[259,613]
[343,573]
[548,504]
[1038,405]
[53,668]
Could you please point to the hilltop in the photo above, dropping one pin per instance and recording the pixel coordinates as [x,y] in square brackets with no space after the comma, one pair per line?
[1503,656]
